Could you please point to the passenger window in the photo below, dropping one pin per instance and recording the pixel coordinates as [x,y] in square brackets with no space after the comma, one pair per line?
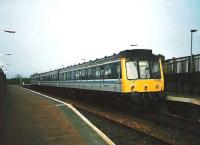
[83,74]
[89,73]
[69,75]
[66,75]
[98,72]
[102,72]
[107,71]
[80,74]
[114,74]
[119,70]
[73,75]
[112,71]
[86,74]
[77,74]
[93,73]
[60,76]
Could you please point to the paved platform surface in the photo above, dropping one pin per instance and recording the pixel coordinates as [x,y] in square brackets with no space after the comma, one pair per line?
[185,99]
[34,120]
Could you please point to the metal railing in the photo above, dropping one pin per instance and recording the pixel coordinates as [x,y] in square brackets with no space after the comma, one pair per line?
[180,65]
[182,75]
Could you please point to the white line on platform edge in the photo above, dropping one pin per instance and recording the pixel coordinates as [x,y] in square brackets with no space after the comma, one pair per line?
[99,132]
[58,105]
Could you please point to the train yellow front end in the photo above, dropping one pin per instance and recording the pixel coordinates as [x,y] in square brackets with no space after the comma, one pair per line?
[142,76]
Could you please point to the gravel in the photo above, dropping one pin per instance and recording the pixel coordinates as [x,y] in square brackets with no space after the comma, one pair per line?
[120,134]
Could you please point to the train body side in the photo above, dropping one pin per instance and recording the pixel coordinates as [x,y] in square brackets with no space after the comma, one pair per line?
[111,84]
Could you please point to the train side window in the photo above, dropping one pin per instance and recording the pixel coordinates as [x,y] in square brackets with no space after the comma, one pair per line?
[119,74]
[56,77]
[97,72]
[155,70]
[66,75]
[89,71]
[60,76]
[86,73]
[69,74]
[102,72]
[72,75]
[114,74]
[77,74]
[63,78]
[82,74]
[93,73]
[107,71]
[112,71]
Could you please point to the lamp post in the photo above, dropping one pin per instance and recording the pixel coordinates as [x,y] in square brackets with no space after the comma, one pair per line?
[191,61]
[193,30]
[7,31]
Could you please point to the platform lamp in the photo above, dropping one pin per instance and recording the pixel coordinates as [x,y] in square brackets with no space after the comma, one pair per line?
[191,60]
[192,31]
[7,31]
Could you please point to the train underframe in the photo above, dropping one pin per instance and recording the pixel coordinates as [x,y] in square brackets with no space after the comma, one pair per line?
[111,100]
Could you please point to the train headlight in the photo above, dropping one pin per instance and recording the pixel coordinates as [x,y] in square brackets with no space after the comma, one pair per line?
[145,87]
[132,87]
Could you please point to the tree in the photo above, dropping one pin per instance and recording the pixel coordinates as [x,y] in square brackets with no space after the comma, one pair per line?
[18,80]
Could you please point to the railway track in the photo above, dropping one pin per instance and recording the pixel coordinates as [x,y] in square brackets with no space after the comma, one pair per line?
[136,126]
[174,121]
[149,126]
[120,133]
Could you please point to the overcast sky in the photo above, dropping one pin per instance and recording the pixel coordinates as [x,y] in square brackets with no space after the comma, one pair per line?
[51,33]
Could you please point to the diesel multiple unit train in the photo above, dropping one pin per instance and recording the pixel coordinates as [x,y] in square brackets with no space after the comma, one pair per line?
[136,73]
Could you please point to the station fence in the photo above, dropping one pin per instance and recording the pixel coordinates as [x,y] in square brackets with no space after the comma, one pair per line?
[182,75]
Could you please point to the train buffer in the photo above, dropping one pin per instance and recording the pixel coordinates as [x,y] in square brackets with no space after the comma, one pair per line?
[34,119]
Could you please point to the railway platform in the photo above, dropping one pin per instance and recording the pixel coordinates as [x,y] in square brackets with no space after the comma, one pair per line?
[184,99]
[32,118]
